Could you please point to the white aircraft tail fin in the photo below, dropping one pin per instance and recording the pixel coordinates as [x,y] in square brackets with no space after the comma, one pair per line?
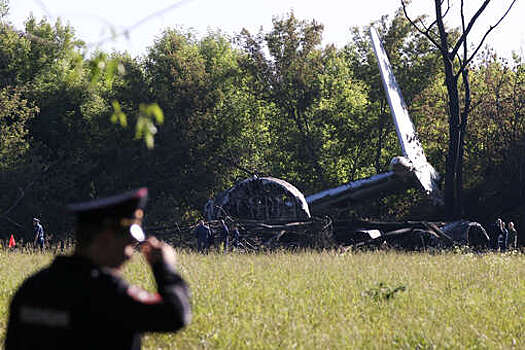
[410,145]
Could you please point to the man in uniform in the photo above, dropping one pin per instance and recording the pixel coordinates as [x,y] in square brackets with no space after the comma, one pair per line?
[38,230]
[203,233]
[81,301]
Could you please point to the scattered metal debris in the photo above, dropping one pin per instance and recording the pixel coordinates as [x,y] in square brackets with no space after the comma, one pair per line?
[323,233]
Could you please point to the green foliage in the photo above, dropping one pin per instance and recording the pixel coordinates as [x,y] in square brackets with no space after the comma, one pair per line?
[118,116]
[16,154]
[145,123]
[4,9]
[319,106]
[193,84]
[15,115]
[105,70]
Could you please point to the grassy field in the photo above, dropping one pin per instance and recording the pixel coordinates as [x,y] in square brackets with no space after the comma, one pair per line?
[331,300]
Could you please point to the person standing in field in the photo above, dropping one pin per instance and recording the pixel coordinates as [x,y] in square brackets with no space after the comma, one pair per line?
[513,236]
[38,231]
[520,239]
[82,302]
[203,234]
[503,237]
[236,236]
[495,232]
[224,234]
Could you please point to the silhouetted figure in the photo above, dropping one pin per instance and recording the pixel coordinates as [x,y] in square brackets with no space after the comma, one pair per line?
[512,236]
[520,239]
[236,236]
[224,234]
[495,232]
[502,236]
[38,231]
[203,234]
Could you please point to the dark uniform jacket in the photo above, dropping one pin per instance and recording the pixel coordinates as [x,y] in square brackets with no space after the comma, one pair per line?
[39,232]
[74,304]
[203,233]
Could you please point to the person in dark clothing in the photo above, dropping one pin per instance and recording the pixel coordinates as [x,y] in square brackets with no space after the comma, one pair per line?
[495,232]
[82,302]
[502,242]
[38,231]
[520,239]
[477,237]
[203,233]
[503,236]
[236,236]
[513,236]
[224,234]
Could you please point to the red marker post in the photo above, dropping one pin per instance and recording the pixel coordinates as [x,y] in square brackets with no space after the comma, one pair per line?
[12,242]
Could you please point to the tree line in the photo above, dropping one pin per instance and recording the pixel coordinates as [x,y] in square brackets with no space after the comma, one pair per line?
[194,115]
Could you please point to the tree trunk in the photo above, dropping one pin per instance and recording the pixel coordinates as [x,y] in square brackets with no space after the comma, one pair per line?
[461,145]
[453,105]
[454,141]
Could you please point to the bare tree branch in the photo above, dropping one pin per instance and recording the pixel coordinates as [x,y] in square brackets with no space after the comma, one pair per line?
[126,31]
[442,33]
[464,58]
[466,31]
[16,202]
[448,8]
[460,59]
[427,32]
[485,36]
[446,12]
[463,29]
[11,221]
[22,194]
[429,28]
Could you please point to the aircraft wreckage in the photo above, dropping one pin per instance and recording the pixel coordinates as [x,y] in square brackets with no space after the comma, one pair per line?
[274,213]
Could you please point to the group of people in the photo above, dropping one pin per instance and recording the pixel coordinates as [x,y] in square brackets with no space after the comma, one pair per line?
[503,237]
[205,236]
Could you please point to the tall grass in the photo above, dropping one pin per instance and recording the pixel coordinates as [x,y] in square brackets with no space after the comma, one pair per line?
[331,300]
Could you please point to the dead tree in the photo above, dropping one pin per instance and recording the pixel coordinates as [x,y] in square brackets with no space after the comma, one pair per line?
[456,61]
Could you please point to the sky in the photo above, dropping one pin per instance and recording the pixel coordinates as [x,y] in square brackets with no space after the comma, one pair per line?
[96,20]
